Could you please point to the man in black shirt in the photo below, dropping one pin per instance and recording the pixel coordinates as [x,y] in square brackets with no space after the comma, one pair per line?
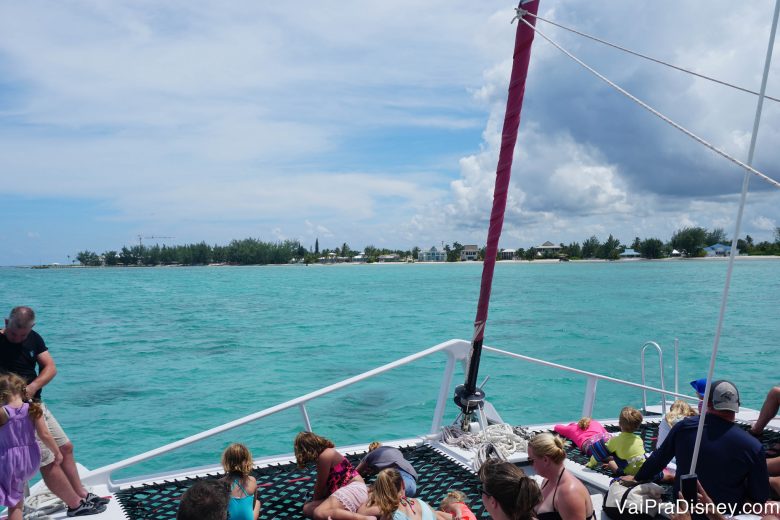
[23,352]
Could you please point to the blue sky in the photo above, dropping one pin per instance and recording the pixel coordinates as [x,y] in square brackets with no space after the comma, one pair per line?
[367,123]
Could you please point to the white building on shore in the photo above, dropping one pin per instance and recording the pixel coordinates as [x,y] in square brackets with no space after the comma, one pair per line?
[432,255]
[548,248]
[469,252]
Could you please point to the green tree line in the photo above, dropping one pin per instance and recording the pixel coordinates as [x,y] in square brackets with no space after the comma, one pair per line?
[688,241]
[248,251]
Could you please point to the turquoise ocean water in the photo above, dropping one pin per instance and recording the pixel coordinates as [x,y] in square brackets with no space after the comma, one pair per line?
[150,355]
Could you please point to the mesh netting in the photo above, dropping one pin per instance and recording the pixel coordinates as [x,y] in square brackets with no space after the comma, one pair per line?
[284,488]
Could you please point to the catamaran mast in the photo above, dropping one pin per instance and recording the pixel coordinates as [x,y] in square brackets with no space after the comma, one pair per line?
[467,396]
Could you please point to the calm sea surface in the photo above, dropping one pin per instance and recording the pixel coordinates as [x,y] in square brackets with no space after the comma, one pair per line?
[150,355]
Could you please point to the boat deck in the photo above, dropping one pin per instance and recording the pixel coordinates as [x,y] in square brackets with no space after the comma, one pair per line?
[284,487]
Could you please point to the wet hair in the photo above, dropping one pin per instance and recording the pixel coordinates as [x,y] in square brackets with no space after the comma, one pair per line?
[630,419]
[237,460]
[21,317]
[679,410]
[452,496]
[386,491]
[11,385]
[308,446]
[374,445]
[205,500]
[548,445]
[516,493]
[583,423]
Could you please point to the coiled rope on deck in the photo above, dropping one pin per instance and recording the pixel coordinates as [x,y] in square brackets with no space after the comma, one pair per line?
[497,441]
[40,505]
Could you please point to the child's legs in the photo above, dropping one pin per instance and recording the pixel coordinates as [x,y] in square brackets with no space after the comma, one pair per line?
[332,508]
[15,512]
[309,507]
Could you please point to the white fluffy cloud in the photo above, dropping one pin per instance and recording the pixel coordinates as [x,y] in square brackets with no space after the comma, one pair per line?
[359,121]
[569,180]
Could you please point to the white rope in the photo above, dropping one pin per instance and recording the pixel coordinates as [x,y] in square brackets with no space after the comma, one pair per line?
[655,60]
[40,505]
[497,441]
[732,256]
[652,110]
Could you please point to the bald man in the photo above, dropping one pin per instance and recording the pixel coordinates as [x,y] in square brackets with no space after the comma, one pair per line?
[23,352]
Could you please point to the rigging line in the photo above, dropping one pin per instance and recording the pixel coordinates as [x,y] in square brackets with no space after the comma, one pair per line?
[660,62]
[732,255]
[655,112]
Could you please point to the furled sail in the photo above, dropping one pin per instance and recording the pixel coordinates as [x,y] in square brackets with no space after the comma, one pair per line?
[468,396]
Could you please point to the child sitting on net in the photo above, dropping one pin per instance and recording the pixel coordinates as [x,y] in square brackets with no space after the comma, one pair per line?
[677,412]
[624,453]
[454,503]
[583,433]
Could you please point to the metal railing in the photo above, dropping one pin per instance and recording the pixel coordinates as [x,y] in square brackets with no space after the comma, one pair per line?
[592,380]
[456,350]
[661,366]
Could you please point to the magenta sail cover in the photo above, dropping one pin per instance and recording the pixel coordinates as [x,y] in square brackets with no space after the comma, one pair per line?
[522,54]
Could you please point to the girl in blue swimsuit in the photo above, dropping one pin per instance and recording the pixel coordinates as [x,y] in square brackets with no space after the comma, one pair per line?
[237,462]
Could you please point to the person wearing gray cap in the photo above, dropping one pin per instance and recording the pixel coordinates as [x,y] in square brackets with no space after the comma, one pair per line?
[731,465]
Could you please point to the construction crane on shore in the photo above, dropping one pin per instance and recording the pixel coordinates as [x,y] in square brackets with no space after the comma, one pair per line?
[141,239]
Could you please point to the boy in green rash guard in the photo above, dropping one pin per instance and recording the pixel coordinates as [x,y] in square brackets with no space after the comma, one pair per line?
[626,449]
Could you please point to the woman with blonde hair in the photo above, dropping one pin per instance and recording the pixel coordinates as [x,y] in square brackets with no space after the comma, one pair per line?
[507,492]
[454,503]
[388,500]
[237,463]
[677,412]
[564,497]
[339,490]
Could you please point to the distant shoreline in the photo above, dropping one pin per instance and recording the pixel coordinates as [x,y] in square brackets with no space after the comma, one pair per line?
[468,262]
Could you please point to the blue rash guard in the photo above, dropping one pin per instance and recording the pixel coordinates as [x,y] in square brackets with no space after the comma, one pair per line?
[731,466]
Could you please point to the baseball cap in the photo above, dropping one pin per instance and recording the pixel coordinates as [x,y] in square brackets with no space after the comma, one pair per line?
[725,396]
[699,385]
